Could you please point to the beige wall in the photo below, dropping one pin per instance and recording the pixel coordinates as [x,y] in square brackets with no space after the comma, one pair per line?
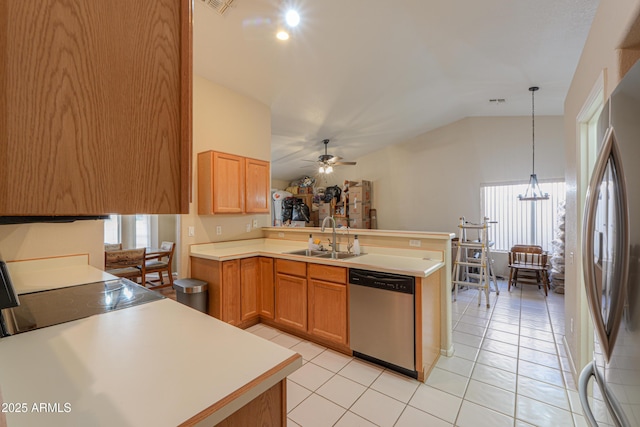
[613,20]
[28,241]
[226,121]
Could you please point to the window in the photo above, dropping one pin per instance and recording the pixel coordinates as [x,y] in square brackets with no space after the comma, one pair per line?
[143,231]
[521,222]
[112,229]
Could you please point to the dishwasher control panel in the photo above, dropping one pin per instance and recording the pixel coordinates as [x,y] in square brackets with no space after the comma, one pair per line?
[384,281]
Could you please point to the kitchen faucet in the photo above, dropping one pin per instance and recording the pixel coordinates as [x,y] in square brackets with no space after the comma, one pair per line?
[333,243]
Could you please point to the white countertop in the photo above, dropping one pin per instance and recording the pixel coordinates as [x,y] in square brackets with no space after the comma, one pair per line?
[52,273]
[386,262]
[157,364]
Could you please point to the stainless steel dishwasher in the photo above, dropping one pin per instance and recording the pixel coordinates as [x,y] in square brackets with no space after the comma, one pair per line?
[382,319]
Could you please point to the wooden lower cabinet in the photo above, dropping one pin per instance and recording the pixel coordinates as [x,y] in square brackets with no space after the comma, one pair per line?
[305,297]
[249,288]
[231,292]
[266,291]
[291,301]
[233,288]
[328,310]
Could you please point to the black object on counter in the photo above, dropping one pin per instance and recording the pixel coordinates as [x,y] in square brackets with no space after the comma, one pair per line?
[8,297]
[52,307]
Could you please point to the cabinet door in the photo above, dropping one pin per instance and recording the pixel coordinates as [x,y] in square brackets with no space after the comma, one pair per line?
[231,292]
[291,301]
[220,183]
[257,186]
[328,310]
[95,115]
[266,291]
[249,275]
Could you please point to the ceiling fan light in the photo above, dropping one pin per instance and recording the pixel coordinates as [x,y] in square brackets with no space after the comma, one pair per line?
[328,169]
[292,18]
[321,169]
[282,35]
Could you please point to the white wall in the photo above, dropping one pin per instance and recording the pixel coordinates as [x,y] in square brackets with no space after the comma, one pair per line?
[226,121]
[613,20]
[427,183]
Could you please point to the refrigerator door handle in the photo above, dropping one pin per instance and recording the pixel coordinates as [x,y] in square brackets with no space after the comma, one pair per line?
[583,383]
[607,332]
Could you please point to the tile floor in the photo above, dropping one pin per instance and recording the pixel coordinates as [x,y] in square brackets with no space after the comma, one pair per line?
[509,369]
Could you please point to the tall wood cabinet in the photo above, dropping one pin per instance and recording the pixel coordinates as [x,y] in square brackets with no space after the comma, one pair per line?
[267,287]
[232,184]
[95,110]
[230,292]
[249,288]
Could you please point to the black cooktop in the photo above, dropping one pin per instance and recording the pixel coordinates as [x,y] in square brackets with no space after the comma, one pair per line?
[52,307]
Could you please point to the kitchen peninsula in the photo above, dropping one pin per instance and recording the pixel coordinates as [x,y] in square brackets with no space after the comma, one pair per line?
[159,363]
[261,280]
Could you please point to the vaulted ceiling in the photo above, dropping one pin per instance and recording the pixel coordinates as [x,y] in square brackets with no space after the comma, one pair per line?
[368,73]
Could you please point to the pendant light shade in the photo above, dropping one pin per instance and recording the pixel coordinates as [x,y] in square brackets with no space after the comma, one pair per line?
[533,191]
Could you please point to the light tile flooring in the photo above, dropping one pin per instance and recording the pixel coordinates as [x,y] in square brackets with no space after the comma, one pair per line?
[509,369]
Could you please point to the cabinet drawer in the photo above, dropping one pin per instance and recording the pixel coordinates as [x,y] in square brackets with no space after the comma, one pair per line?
[294,268]
[328,273]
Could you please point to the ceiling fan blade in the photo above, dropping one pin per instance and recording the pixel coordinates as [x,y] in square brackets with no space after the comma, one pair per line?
[344,163]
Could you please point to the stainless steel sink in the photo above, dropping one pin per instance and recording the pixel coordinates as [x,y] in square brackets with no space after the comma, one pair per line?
[307,252]
[323,254]
[338,255]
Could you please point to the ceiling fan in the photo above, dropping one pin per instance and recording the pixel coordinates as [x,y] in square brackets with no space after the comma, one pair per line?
[326,161]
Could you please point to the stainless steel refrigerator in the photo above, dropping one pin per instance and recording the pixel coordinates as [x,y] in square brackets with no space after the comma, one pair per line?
[611,262]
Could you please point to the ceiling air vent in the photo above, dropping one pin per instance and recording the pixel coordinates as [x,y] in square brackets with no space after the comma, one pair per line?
[219,6]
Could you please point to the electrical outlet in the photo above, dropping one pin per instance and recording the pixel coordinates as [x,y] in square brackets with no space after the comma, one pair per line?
[192,231]
[219,230]
[248,227]
[415,243]
[280,234]
[255,223]
[571,325]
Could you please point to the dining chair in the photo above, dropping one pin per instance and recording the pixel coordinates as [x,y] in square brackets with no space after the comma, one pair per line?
[528,264]
[127,263]
[108,247]
[163,264]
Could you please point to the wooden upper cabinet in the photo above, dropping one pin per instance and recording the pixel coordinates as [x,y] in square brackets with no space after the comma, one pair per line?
[257,186]
[232,184]
[220,183]
[95,107]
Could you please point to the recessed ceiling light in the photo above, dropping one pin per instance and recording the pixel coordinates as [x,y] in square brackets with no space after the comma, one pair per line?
[282,35]
[293,18]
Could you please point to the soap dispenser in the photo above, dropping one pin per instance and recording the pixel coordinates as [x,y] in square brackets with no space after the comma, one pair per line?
[310,245]
[356,245]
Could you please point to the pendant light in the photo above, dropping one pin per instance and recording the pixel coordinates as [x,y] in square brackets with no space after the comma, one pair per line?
[533,191]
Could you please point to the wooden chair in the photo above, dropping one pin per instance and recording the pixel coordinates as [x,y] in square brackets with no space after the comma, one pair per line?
[128,263]
[528,264]
[108,247]
[161,265]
